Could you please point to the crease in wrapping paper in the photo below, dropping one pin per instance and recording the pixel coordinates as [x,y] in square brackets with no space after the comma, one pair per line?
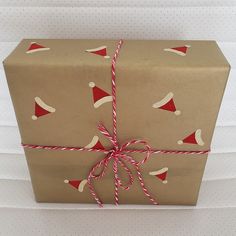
[145,74]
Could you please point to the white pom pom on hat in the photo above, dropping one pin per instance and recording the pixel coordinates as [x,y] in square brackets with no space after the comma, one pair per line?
[91,84]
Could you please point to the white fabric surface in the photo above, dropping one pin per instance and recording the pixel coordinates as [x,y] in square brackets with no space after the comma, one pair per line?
[215,213]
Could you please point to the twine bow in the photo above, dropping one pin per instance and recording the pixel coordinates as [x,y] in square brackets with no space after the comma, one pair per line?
[118,154]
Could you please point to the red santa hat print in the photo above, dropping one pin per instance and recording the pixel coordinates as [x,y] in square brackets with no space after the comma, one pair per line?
[95,143]
[193,138]
[167,103]
[99,96]
[181,51]
[78,184]
[35,47]
[160,174]
[41,108]
[101,51]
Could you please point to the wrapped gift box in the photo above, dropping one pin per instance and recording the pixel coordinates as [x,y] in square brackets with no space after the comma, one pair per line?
[168,94]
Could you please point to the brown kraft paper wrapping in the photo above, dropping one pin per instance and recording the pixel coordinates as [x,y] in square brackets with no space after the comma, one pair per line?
[59,72]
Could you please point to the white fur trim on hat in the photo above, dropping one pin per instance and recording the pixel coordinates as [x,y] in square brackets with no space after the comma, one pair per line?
[158,172]
[44,105]
[198,137]
[93,142]
[175,51]
[82,184]
[165,100]
[103,100]
[96,49]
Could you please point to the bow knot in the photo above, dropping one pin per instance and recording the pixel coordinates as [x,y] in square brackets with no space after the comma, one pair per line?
[116,151]
[121,159]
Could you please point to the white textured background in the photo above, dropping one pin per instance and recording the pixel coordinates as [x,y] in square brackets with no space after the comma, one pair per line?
[215,213]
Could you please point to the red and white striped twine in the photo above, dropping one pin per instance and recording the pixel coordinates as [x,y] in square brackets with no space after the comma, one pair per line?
[152,151]
[117,154]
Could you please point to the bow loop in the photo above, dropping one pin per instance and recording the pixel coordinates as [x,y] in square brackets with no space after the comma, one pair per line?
[120,160]
[99,170]
[129,175]
[146,149]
